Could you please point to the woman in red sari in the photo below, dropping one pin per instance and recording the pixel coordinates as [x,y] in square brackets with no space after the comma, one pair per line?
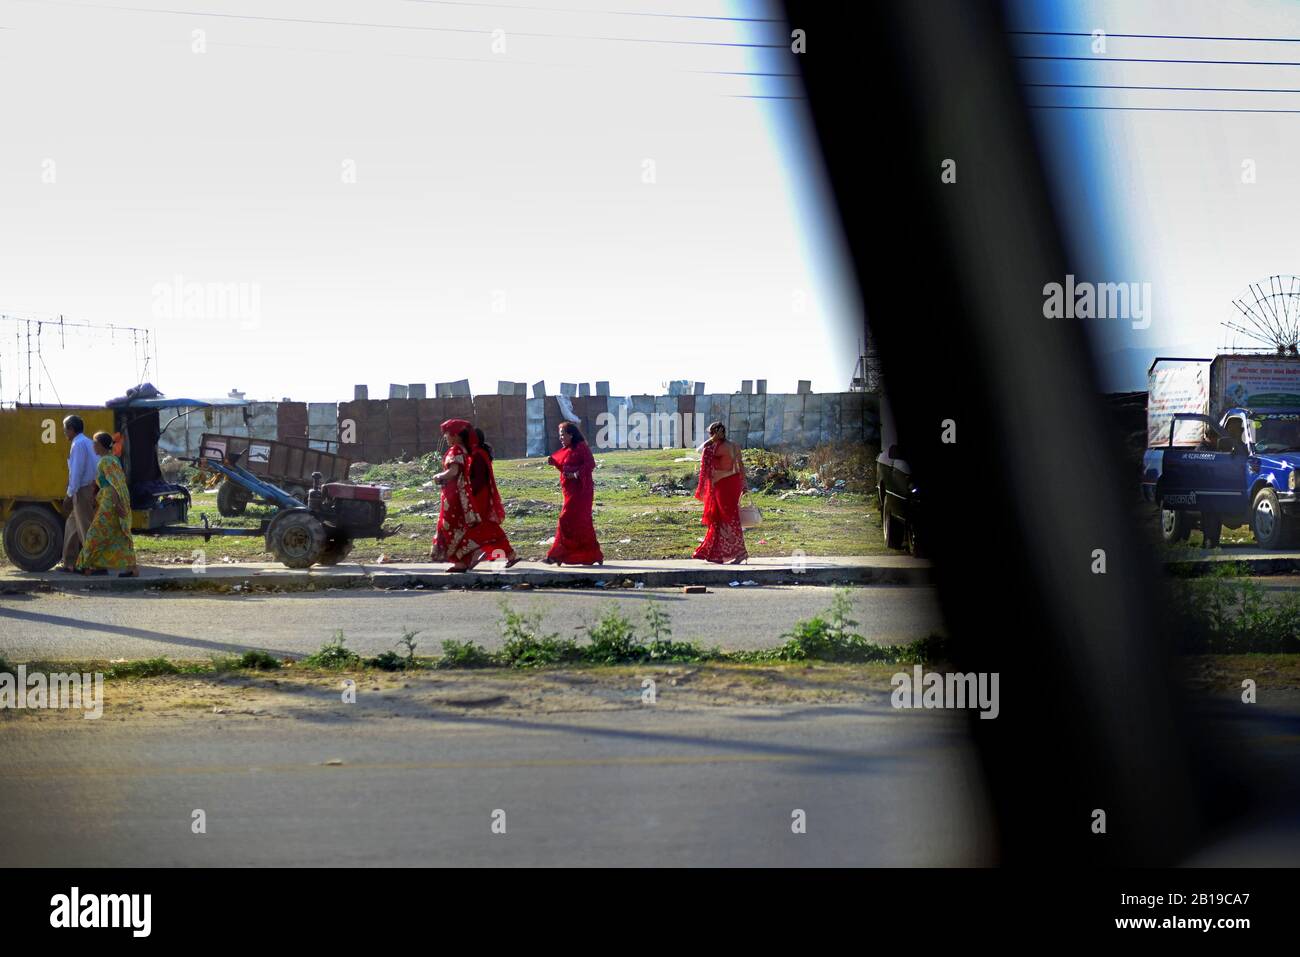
[722,480]
[488,537]
[456,513]
[469,520]
[575,535]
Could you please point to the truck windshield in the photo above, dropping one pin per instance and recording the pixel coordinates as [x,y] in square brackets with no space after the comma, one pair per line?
[1278,433]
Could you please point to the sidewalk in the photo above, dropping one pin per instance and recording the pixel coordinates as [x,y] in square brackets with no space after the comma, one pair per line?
[238,577]
[1256,560]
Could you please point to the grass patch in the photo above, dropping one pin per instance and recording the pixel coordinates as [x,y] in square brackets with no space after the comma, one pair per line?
[1226,612]
[527,646]
[392,661]
[257,661]
[614,639]
[464,654]
[333,655]
[146,668]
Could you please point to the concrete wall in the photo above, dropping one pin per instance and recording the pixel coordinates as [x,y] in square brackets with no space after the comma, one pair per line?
[375,430]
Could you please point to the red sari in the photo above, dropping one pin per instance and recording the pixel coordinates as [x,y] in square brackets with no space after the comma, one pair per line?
[575,534]
[725,539]
[456,514]
[486,539]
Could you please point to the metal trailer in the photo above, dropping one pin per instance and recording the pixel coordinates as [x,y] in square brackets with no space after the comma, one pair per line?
[283,464]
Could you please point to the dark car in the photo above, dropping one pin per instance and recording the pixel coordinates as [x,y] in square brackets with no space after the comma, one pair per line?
[897,494]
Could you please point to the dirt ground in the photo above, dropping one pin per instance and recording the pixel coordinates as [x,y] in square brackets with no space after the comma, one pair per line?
[315,695]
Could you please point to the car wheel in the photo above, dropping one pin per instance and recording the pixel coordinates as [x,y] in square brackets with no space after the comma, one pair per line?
[1174,526]
[1267,521]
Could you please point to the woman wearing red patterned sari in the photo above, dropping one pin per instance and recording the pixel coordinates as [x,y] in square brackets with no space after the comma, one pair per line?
[487,537]
[722,480]
[456,513]
[575,534]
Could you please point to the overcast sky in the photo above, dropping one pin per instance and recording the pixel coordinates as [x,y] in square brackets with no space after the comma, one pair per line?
[396,201]
[1161,193]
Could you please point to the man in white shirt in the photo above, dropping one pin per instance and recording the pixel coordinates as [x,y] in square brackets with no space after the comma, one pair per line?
[79,506]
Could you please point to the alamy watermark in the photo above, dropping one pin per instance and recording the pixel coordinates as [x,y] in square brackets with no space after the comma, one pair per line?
[76,909]
[1107,300]
[84,692]
[922,689]
[649,430]
[209,301]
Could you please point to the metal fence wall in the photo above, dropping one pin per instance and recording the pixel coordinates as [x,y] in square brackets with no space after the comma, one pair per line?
[375,430]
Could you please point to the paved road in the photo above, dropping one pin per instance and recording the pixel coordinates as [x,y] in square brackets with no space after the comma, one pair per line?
[188,626]
[711,787]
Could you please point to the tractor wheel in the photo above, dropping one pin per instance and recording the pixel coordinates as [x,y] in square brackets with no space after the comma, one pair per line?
[297,539]
[33,538]
[337,547]
[232,499]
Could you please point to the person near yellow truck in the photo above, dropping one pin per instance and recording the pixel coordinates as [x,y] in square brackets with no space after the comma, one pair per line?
[79,504]
[107,544]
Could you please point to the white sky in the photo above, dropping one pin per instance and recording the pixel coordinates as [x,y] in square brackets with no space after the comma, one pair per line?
[511,180]
[1172,209]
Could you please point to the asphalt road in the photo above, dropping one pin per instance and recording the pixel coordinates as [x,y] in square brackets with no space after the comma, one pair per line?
[633,788]
[186,626]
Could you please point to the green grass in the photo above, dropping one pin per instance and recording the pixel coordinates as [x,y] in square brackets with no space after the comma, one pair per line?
[657,525]
[615,639]
[1226,612]
[611,639]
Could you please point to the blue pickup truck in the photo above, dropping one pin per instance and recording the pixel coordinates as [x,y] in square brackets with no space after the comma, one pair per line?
[1243,472]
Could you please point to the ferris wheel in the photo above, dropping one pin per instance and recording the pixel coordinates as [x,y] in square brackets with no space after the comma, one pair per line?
[1268,313]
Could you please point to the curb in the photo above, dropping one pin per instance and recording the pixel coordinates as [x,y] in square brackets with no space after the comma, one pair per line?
[392,579]
[1186,568]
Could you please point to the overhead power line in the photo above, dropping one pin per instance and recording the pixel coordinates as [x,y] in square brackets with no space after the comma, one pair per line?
[415,27]
[612,13]
[1200,89]
[1155,109]
[501,61]
[1152,36]
[1124,59]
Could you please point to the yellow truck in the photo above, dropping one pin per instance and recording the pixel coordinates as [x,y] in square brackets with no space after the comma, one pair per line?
[34,478]
[34,475]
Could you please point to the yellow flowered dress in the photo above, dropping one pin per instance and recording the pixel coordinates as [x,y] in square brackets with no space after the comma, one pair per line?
[108,540]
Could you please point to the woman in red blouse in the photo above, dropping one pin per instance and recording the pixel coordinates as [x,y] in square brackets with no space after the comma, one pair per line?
[722,480]
[575,534]
[469,520]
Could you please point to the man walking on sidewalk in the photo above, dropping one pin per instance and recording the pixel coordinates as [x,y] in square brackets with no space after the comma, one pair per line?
[79,506]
